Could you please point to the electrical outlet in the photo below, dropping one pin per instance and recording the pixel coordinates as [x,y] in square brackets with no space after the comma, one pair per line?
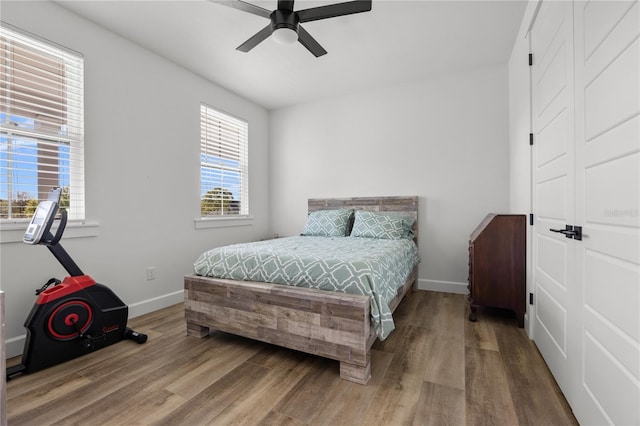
[151,273]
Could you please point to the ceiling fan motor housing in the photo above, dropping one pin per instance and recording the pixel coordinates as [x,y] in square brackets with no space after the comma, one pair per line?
[284,19]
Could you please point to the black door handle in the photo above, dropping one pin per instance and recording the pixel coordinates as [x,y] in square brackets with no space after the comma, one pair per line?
[570,231]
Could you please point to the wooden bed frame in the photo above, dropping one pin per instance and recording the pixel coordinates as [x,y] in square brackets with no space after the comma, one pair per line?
[329,324]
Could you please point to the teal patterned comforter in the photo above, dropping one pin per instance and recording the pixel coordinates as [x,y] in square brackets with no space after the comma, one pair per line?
[369,266]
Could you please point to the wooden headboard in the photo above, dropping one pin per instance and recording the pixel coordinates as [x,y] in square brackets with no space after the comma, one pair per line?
[404,205]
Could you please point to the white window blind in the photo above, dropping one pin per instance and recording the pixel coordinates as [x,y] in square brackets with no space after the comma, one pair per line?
[41,124]
[224,169]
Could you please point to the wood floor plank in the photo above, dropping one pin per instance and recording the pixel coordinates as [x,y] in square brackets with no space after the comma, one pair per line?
[131,397]
[267,391]
[488,397]
[412,336]
[446,362]
[96,390]
[480,334]
[301,401]
[52,410]
[213,400]
[435,368]
[396,398]
[278,419]
[529,379]
[445,354]
[28,383]
[406,310]
[347,402]
[126,355]
[48,392]
[147,408]
[272,356]
[213,364]
[440,405]
[443,314]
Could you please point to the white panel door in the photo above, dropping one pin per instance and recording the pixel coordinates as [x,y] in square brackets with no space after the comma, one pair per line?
[607,86]
[553,184]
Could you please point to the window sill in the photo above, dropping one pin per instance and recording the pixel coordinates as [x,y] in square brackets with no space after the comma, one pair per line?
[222,222]
[12,232]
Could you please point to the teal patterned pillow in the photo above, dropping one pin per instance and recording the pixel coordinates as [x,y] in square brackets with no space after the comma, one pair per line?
[328,223]
[380,225]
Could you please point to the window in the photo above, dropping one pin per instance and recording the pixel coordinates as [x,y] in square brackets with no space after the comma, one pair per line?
[224,189]
[41,125]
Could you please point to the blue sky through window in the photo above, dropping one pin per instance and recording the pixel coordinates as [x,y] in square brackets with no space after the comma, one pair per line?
[222,173]
[21,153]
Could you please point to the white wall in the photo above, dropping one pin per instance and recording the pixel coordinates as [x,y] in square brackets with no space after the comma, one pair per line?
[444,139]
[142,139]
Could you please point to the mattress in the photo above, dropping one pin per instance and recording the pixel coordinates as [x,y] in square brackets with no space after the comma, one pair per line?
[373,267]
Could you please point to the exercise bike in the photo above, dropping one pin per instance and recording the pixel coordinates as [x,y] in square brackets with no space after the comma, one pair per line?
[72,317]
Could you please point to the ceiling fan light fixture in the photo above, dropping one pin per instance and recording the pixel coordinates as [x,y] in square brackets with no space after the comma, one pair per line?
[285,35]
[285,22]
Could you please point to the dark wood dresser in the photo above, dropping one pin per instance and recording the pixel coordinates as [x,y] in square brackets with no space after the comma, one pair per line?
[497,260]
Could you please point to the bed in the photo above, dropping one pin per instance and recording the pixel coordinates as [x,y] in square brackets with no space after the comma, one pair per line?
[332,324]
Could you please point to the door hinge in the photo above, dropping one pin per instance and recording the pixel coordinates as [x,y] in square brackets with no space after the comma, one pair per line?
[530,59]
[531,219]
[531,298]
[530,138]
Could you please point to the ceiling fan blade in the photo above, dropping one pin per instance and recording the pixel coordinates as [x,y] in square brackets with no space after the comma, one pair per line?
[333,10]
[257,38]
[310,43]
[285,5]
[245,7]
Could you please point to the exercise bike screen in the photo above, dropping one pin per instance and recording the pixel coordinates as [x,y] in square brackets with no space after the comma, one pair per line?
[38,221]
[40,215]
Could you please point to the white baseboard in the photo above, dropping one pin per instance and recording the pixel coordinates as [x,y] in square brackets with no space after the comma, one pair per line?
[15,345]
[443,286]
[151,305]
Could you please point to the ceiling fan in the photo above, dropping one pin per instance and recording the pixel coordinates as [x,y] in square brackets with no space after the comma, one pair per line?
[285,22]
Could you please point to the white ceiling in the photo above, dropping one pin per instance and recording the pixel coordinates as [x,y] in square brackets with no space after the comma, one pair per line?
[397,41]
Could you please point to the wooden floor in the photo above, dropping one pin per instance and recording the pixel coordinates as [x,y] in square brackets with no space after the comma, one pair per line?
[436,368]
